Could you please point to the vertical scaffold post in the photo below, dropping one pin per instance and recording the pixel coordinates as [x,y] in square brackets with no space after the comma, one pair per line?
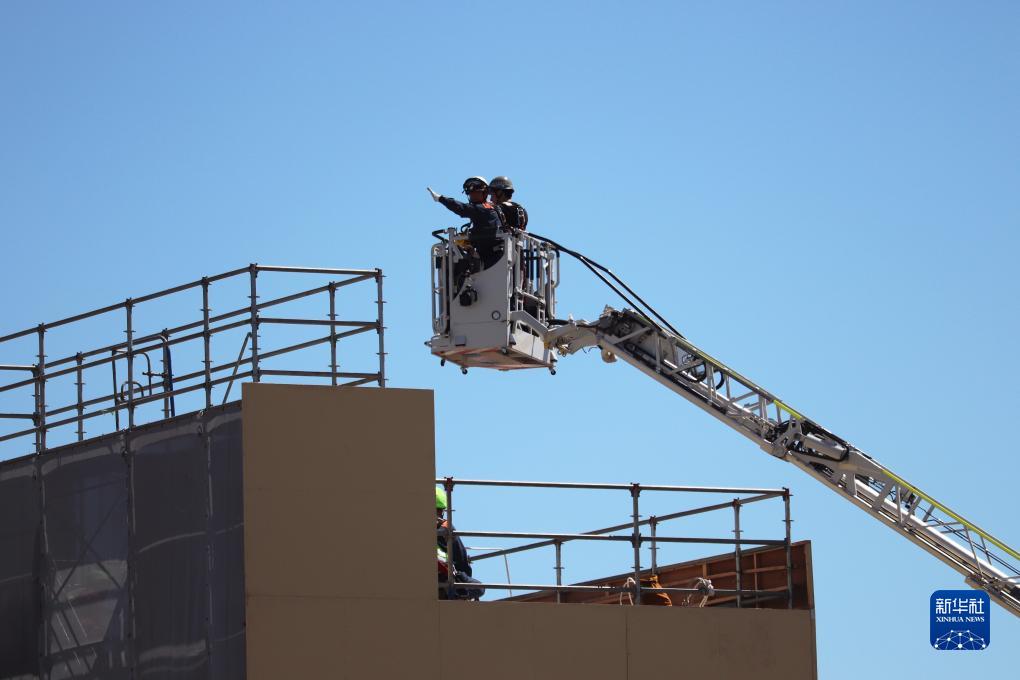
[448,486]
[128,309]
[789,553]
[559,570]
[167,377]
[382,328]
[206,342]
[653,523]
[79,383]
[115,392]
[736,549]
[40,446]
[40,391]
[254,311]
[332,332]
[635,491]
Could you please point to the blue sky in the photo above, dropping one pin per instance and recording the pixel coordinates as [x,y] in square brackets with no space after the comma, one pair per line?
[824,196]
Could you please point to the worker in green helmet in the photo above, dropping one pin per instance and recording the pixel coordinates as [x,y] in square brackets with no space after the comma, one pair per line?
[458,555]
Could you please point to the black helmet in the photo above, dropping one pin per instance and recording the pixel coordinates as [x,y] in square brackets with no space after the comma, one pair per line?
[475,184]
[502,183]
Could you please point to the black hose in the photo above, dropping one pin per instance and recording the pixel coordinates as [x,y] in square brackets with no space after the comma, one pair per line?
[596,268]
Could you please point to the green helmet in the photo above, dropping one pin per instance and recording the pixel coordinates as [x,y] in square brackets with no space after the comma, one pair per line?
[440,499]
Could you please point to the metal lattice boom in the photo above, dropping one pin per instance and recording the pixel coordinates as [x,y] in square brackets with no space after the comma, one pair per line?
[985,561]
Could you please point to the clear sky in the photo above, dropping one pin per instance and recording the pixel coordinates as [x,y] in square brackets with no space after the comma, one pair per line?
[822,195]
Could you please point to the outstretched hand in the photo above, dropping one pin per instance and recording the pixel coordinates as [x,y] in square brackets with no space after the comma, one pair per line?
[435,196]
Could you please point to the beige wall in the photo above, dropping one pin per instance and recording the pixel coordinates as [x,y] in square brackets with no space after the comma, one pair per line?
[324,601]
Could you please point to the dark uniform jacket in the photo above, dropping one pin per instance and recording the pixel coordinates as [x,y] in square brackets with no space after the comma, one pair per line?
[515,217]
[484,217]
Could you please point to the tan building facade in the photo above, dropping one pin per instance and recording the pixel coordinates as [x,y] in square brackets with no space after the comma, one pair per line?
[328,595]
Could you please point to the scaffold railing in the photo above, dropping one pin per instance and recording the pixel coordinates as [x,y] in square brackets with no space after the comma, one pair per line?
[52,394]
[633,535]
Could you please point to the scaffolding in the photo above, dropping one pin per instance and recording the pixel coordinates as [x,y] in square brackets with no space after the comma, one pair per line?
[142,384]
[633,536]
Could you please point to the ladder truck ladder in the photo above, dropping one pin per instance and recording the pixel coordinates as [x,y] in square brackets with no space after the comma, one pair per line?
[985,562]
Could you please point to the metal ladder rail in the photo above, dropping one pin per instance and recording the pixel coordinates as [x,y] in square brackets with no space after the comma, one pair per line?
[986,562]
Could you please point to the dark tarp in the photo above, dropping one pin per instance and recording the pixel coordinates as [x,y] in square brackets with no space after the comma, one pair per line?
[20,608]
[136,570]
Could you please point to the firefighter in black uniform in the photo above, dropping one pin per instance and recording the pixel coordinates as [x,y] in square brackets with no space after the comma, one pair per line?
[514,216]
[485,219]
[483,215]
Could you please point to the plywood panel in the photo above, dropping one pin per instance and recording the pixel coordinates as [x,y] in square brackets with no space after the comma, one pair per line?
[338,491]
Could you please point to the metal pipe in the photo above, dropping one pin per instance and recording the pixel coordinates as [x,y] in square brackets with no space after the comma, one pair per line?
[361,274]
[186,327]
[41,377]
[106,411]
[789,556]
[635,491]
[618,527]
[130,365]
[627,539]
[136,343]
[620,487]
[206,342]
[654,523]
[320,374]
[332,333]
[237,365]
[221,367]
[254,325]
[116,401]
[565,589]
[604,589]
[382,328]
[35,419]
[736,548]
[119,305]
[80,383]
[118,349]
[559,569]
[448,486]
[370,325]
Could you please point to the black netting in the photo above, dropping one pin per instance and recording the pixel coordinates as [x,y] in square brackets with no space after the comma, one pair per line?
[227,526]
[135,567]
[20,608]
[85,558]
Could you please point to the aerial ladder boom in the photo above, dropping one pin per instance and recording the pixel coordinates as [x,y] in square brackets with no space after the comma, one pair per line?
[670,359]
[500,313]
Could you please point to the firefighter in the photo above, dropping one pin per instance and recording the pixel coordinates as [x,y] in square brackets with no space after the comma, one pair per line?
[485,219]
[513,215]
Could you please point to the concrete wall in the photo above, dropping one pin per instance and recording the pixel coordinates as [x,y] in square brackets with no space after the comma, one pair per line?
[325,601]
